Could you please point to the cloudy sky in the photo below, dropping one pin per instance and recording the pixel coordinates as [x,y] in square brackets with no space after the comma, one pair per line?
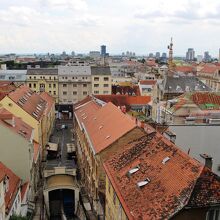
[141,26]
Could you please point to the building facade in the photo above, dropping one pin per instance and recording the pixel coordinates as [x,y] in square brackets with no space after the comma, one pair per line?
[101,80]
[43,80]
[74,83]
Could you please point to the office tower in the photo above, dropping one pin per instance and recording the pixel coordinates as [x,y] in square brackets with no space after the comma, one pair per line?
[207,57]
[190,54]
[157,55]
[103,50]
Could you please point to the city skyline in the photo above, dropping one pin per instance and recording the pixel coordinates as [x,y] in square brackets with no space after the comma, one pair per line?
[84,25]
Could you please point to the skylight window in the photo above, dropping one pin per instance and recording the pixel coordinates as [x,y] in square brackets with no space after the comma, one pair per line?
[133,170]
[143,183]
[84,117]
[166,159]
[107,137]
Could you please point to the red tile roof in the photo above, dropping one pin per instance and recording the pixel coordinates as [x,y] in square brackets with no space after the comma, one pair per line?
[185,69]
[124,100]
[5,88]
[15,124]
[126,90]
[49,99]
[206,191]
[210,69]
[163,196]
[99,127]
[148,82]
[14,184]
[29,101]
[206,98]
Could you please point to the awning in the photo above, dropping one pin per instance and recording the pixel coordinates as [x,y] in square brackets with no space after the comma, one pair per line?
[52,146]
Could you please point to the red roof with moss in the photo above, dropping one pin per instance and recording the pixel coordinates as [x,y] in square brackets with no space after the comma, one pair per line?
[169,178]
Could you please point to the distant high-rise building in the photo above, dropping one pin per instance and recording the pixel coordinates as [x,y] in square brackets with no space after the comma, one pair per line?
[73,54]
[207,57]
[157,55]
[123,54]
[151,55]
[199,58]
[103,50]
[164,55]
[219,56]
[190,54]
[133,54]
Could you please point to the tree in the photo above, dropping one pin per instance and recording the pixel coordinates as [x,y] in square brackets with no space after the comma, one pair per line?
[16,217]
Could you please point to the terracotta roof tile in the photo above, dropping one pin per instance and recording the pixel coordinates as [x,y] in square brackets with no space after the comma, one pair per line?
[206,191]
[14,184]
[99,126]
[49,99]
[121,100]
[5,88]
[163,195]
[29,101]
[15,124]
[148,82]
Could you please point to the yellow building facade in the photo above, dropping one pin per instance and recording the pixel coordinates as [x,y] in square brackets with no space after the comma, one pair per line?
[43,80]
[101,80]
[37,110]
[113,207]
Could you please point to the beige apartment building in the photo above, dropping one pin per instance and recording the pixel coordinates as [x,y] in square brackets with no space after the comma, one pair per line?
[101,80]
[43,80]
[74,83]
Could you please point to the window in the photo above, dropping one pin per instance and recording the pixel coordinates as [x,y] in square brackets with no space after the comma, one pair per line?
[96,85]
[84,85]
[114,198]
[54,85]
[84,93]
[213,214]
[105,85]
[43,77]
[65,77]
[50,77]
[30,85]
[74,93]
[74,85]
[96,92]
[96,78]
[73,78]
[106,78]
[64,93]
[34,85]
[29,77]
[64,85]
[105,92]
[50,92]
[54,77]
[49,85]
[54,92]
[34,77]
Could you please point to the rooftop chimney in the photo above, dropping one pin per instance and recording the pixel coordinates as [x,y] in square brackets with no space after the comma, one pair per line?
[208,160]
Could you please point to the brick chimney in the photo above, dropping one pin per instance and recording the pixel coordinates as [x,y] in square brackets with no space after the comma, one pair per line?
[208,160]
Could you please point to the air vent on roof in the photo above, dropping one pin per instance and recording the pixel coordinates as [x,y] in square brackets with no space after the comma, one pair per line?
[107,137]
[143,183]
[94,118]
[100,127]
[166,159]
[84,117]
[133,170]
